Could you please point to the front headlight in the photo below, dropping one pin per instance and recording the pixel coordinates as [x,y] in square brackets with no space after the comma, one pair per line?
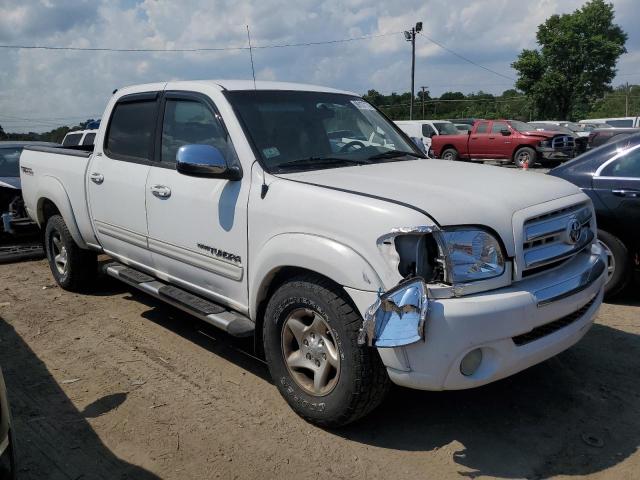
[471,255]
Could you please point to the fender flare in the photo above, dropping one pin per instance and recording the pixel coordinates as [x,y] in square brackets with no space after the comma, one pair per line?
[50,188]
[316,253]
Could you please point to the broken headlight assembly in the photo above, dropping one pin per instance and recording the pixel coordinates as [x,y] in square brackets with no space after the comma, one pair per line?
[470,255]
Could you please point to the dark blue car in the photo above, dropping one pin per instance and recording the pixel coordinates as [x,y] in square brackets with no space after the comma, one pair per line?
[610,175]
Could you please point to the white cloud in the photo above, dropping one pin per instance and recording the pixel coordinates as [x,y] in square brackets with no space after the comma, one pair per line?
[47,85]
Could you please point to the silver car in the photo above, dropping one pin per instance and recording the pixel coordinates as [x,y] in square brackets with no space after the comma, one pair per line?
[7,446]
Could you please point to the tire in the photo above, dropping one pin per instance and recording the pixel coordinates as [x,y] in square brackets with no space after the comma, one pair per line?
[8,465]
[618,264]
[357,381]
[523,154]
[449,154]
[73,268]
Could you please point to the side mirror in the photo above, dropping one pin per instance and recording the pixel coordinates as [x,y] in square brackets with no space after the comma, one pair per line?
[506,132]
[204,161]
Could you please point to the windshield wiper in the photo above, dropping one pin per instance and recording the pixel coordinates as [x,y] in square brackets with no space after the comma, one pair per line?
[394,154]
[322,161]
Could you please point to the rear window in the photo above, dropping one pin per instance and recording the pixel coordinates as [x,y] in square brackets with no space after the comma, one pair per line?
[72,139]
[88,139]
[130,133]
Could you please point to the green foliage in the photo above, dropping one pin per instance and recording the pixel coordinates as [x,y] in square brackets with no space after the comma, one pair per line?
[511,104]
[614,104]
[575,64]
[55,135]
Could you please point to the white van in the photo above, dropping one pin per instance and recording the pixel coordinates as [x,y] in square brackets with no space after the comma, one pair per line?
[425,129]
[624,122]
[79,137]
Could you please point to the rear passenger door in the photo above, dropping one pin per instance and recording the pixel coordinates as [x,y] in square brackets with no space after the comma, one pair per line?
[117,176]
[197,226]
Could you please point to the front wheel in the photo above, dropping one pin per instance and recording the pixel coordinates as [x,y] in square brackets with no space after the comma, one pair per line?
[73,268]
[524,155]
[618,263]
[311,347]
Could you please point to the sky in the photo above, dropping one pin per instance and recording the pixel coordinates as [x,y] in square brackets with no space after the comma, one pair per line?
[41,89]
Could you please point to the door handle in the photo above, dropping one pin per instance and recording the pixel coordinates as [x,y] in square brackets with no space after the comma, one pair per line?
[626,193]
[97,178]
[161,191]
[492,138]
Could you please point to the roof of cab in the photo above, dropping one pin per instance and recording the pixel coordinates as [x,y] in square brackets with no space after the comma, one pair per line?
[233,85]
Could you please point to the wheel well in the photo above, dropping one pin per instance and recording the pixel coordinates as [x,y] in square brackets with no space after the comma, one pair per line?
[274,280]
[515,150]
[448,146]
[48,209]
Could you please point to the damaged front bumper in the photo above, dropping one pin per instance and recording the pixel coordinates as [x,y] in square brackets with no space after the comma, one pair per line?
[513,327]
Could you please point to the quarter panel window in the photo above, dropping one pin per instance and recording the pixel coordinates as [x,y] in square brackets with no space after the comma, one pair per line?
[131,130]
[188,122]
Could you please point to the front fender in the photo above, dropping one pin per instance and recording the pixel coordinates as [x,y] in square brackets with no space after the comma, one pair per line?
[50,188]
[322,255]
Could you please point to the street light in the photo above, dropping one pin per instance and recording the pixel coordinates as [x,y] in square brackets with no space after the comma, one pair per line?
[410,36]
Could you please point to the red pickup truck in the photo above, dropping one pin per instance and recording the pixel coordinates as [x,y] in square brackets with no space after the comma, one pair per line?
[504,139]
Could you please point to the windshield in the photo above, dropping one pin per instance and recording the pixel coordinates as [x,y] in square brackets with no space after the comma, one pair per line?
[521,126]
[292,129]
[574,127]
[10,162]
[446,128]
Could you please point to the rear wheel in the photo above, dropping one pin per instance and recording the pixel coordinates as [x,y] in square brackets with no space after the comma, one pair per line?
[618,263]
[310,343]
[73,268]
[524,155]
[449,154]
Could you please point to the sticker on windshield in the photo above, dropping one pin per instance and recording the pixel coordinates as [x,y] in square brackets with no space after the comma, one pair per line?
[270,152]
[362,105]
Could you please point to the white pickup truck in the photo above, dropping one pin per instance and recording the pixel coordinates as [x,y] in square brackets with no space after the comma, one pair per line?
[354,264]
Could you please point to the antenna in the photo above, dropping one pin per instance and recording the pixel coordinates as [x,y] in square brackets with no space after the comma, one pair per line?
[253,71]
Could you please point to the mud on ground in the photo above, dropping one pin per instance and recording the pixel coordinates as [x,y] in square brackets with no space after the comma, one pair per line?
[113,385]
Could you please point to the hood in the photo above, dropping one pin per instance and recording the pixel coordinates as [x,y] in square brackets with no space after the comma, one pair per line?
[10,182]
[452,193]
[543,134]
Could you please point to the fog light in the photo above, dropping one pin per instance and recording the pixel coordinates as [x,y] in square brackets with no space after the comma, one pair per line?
[471,362]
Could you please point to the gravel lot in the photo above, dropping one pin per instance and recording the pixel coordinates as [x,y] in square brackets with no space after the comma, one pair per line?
[113,384]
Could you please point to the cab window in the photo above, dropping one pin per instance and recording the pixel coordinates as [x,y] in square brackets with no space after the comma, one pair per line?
[498,127]
[627,166]
[427,130]
[131,129]
[483,127]
[188,122]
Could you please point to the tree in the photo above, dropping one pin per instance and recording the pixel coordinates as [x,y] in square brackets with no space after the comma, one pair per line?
[3,135]
[575,63]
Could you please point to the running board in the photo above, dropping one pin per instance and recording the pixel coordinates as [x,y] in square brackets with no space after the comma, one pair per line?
[231,322]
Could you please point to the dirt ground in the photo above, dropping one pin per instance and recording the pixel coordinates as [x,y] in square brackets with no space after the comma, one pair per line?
[113,384]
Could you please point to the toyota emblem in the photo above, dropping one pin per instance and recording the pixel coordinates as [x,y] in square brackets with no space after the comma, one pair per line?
[574,229]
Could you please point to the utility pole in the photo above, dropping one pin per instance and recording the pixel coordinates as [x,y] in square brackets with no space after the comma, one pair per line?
[626,99]
[410,36]
[423,89]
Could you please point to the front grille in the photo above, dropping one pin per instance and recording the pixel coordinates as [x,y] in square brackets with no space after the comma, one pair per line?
[549,239]
[563,142]
[549,328]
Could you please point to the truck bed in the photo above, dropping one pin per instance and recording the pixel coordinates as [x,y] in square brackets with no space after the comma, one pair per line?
[58,172]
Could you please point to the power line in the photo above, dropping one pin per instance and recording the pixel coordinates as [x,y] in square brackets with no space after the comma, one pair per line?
[444,47]
[200,49]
